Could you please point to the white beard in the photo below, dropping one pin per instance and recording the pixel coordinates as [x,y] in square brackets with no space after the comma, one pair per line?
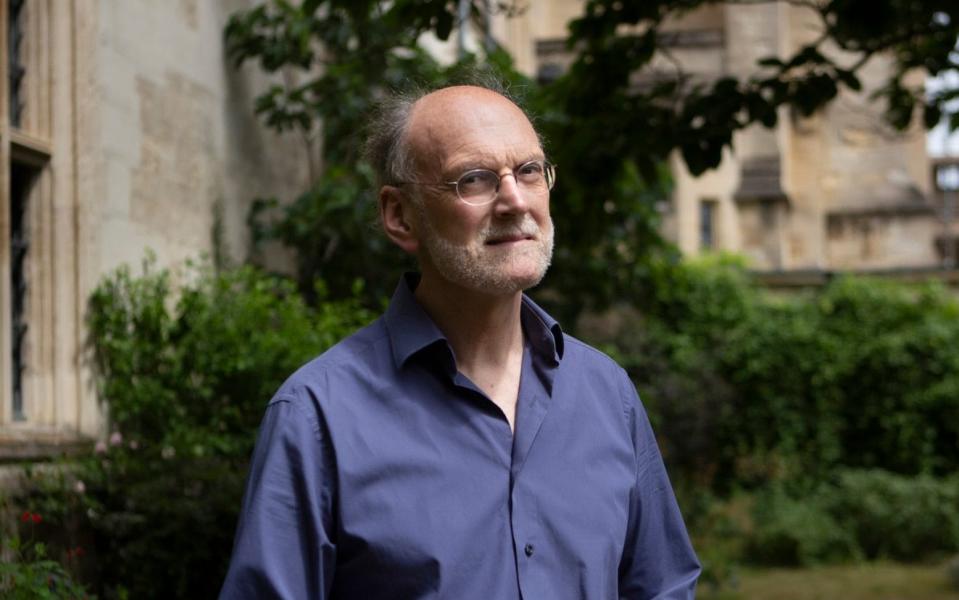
[490,269]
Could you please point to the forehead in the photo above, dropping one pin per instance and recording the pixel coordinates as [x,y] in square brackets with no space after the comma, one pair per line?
[468,126]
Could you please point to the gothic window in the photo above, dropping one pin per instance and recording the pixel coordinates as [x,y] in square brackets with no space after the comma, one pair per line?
[707,225]
[24,156]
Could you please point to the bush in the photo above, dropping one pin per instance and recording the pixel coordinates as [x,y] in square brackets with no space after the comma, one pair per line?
[197,375]
[718,530]
[185,376]
[28,572]
[747,388]
[896,517]
[871,514]
[744,389]
[672,350]
[797,532]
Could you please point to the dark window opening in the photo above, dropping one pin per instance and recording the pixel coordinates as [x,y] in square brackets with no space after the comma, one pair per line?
[707,224]
[21,180]
[15,68]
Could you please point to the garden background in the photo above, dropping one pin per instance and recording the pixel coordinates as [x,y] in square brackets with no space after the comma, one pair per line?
[816,430]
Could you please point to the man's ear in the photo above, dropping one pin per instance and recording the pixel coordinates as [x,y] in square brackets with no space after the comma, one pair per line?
[396,218]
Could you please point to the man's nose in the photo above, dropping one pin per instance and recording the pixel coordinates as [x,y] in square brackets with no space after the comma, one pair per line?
[510,198]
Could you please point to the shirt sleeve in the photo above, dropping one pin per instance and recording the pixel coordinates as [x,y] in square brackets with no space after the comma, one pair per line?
[283,546]
[658,559]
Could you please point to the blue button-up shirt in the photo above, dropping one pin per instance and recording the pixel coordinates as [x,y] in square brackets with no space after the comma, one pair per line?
[380,471]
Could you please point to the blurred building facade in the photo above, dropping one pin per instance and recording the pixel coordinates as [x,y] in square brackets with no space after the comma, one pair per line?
[839,191]
[123,130]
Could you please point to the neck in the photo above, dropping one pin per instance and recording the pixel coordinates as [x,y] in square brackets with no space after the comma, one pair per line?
[484,330]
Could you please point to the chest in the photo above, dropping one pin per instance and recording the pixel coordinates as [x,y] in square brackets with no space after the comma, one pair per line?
[501,387]
[436,483]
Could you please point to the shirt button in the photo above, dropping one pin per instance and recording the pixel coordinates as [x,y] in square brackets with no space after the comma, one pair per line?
[529,549]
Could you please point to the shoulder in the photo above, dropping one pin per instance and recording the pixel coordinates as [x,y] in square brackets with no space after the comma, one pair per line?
[585,363]
[580,356]
[359,355]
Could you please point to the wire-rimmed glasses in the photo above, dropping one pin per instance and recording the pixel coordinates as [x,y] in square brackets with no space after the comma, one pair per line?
[478,187]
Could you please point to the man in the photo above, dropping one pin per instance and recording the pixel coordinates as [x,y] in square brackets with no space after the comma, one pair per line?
[462,446]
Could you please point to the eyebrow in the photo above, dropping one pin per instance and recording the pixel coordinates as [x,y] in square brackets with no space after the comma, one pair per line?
[484,163]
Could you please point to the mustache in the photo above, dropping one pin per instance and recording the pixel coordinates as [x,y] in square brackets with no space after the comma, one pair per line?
[524,227]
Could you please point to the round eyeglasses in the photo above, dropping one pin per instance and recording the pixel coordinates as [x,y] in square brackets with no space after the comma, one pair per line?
[478,187]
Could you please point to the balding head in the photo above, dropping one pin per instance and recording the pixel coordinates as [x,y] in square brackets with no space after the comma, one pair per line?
[453,128]
[387,146]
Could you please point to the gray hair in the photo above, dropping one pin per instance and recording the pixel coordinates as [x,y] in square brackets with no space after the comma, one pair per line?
[387,150]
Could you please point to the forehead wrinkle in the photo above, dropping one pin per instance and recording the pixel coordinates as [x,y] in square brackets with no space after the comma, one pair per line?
[466,158]
[469,126]
[488,151]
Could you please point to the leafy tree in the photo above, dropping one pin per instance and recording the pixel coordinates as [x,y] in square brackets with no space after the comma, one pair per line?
[700,119]
[610,138]
[606,128]
[338,58]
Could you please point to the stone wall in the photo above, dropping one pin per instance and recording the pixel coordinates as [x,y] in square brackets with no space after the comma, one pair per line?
[149,139]
[178,135]
[778,193]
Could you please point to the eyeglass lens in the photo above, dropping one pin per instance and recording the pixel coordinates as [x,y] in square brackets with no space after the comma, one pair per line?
[481,185]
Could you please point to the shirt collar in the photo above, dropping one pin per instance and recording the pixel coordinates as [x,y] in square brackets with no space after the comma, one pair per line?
[411,330]
[409,327]
[542,331]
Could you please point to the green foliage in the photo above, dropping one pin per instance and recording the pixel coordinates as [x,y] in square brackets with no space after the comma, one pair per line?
[746,388]
[348,55]
[717,528]
[699,119]
[833,413]
[161,520]
[610,137]
[29,573]
[185,366]
[896,517]
[871,514]
[195,373]
[797,532]
[668,348]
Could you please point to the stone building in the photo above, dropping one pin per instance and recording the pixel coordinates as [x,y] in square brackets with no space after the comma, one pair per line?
[840,191]
[122,128]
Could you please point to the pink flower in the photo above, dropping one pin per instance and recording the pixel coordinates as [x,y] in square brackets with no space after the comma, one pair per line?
[79,487]
[116,438]
[134,445]
[100,448]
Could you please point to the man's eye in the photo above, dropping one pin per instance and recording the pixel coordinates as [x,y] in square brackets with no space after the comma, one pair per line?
[530,171]
[477,181]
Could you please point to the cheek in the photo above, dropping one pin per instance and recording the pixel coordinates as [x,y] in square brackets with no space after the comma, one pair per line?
[459,225]
[542,215]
